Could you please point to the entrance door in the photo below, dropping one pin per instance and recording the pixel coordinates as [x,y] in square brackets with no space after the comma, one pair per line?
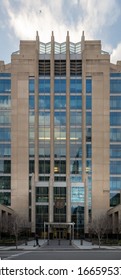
[60,233]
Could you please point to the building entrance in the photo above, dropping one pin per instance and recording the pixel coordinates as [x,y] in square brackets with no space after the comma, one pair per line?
[59,230]
[60,233]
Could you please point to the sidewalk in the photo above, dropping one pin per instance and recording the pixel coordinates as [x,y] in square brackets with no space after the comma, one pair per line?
[30,246]
[88,246]
[76,243]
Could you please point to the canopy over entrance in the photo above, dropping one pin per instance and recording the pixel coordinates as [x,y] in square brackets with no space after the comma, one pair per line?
[51,227]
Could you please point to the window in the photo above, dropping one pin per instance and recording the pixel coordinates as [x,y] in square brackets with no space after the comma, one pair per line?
[75,86]
[5,102]
[44,85]
[44,166]
[5,86]
[44,102]
[88,86]
[5,182]
[88,102]
[115,86]
[31,86]
[115,167]
[60,86]
[5,198]
[31,166]
[5,117]
[5,150]
[31,102]
[115,118]
[60,102]
[115,102]
[41,194]
[115,134]
[75,102]
[5,134]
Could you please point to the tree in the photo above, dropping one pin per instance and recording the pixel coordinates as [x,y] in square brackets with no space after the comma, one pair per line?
[16,225]
[3,225]
[99,226]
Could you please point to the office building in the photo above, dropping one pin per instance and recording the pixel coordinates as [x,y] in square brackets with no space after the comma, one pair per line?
[60,134]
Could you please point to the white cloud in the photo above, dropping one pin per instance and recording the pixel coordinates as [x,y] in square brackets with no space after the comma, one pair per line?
[60,16]
[28,16]
[116,54]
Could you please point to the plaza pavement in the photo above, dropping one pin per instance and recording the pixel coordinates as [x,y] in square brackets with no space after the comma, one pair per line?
[77,244]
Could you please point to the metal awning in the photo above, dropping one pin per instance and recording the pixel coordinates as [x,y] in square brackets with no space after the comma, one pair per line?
[59,225]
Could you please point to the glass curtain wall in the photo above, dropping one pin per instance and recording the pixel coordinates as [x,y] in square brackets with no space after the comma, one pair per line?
[42,192]
[77,192]
[115,138]
[5,139]
[59,147]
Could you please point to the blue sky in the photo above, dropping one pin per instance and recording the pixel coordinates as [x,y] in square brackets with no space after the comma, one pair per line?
[20,19]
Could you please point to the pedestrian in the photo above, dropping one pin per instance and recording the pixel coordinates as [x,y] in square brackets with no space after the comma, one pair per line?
[37,240]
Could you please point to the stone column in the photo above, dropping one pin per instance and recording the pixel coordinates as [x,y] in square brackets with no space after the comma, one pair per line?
[84,175]
[86,214]
[51,183]
[83,110]
[36,125]
[68,183]
[33,222]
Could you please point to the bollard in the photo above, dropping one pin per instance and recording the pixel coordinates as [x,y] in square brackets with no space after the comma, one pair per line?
[58,241]
[81,242]
[26,242]
[70,243]
[48,242]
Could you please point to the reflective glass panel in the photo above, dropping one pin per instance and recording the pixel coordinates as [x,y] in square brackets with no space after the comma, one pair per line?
[31,86]
[88,102]
[88,118]
[115,102]
[5,182]
[60,102]
[75,102]
[5,86]
[5,134]
[77,194]
[115,134]
[60,118]
[5,102]
[115,151]
[88,150]
[5,150]
[60,166]
[115,118]
[5,117]
[44,166]
[60,86]
[75,150]
[44,102]
[44,86]
[115,183]
[88,85]
[44,118]
[75,166]
[88,134]
[115,167]
[5,198]
[31,117]
[114,198]
[75,86]
[31,102]
[115,86]
[5,166]
[75,118]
